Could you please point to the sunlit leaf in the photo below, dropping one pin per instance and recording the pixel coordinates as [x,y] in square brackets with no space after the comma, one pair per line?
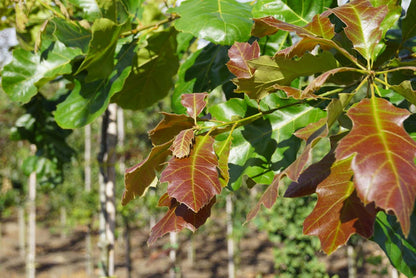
[222,150]
[194,103]
[152,72]
[27,72]
[282,71]
[239,54]
[88,101]
[139,177]
[383,166]
[399,249]
[193,180]
[297,12]
[181,146]
[99,61]
[405,89]
[179,216]
[90,8]
[220,21]
[409,22]
[339,213]
[363,25]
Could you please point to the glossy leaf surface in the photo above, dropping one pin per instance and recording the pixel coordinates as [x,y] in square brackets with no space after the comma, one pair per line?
[169,127]
[222,150]
[220,21]
[400,250]
[139,177]
[363,25]
[27,72]
[384,171]
[194,103]
[193,180]
[240,54]
[178,217]
[339,213]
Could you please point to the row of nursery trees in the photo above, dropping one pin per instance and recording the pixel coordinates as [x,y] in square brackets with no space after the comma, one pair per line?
[297,97]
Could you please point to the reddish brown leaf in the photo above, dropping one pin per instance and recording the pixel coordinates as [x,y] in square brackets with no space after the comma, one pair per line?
[194,180]
[181,146]
[179,216]
[194,103]
[169,127]
[239,54]
[139,177]
[318,82]
[383,164]
[362,24]
[311,35]
[290,91]
[267,199]
[339,213]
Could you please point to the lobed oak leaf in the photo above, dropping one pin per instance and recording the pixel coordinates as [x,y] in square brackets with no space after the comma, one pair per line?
[193,180]
[239,54]
[169,127]
[339,213]
[179,216]
[194,103]
[139,177]
[363,23]
[181,146]
[383,163]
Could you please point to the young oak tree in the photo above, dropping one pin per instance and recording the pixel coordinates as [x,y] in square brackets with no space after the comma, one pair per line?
[340,75]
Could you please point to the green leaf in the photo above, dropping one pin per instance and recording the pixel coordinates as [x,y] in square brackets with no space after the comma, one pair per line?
[222,150]
[68,32]
[297,12]
[193,180]
[400,250]
[27,72]
[339,213]
[120,10]
[393,14]
[99,61]
[139,177]
[218,21]
[383,166]
[363,25]
[88,101]
[409,22]
[282,71]
[405,89]
[178,217]
[90,8]
[264,147]
[152,73]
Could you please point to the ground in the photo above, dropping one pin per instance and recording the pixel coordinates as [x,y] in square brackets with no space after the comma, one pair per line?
[62,257]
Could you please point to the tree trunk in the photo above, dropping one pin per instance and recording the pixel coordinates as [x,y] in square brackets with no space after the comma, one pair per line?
[107,188]
[230,238]
[127,240]
[22,229]
[191,251]
[63,222]
[172,254]
[87,184]
[352,265]
[31,253]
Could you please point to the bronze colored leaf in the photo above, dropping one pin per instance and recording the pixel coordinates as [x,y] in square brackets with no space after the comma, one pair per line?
[383,164]
[179,216]
[193,180]
[339,213]
[169,127]
[181,146]
[239,54]
[194,103]
[363,24]
[139,177]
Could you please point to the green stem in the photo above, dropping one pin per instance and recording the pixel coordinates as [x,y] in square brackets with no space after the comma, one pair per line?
[48,7]
[154,25]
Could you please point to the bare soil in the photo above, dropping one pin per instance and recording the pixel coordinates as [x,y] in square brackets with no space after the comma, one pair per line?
[62,257]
